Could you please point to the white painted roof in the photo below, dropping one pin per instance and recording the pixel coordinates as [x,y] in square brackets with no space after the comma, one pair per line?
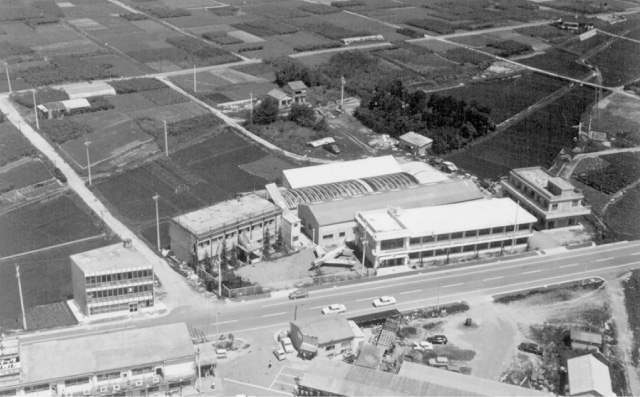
[86,90]
[587,375]
[415,139]
[109,258]
[471,215]
[424,173]
[342,171]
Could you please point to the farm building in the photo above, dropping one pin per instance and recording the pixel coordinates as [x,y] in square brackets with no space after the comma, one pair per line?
[417,144]
[242,222]
[59,108]
[90,89]
[283,99]
[588,377]
[327,336]
[329,222]
[298,90]
[398,236]
[116,278]
[555,202]
[138,361]
[296,178]
[585,340]
[331,378]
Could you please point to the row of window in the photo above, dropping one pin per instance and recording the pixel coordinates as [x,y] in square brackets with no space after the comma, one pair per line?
[122,291]
[76,381]
[119,307]
[467,248]
[330,236]
[342,345]
[109,278]
[232,234]
[532,194]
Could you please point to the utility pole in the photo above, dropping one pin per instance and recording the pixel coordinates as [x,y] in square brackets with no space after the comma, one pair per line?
[166,141]
[251,107]
[87,143]
[35,109]
[295,313]
[6,67]
[220,277]
[342,82]
[24,317]
[199,376]
[364,244]
[439,288]
[584,273]
[155,198]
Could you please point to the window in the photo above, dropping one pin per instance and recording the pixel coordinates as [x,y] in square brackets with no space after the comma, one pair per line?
[428,239]
[36,388]
[441,252]
[295,238]
[484,232]
[8,393]
[110,375]
[441,237]
[330,347]
[414,255]
[572,221]
[456,235]
[142,370]
[396,243]
[506,243]
[345,344]
[522,240]
[471,233]
[426,254]
[342,234]
[495,244]
[497,230]
[87,280]
[455,250]
[327,237]
[523,226]
[554,207]
[509,228]
[76,381]
[468,248]
[482,246]
[415,240]
[575,203]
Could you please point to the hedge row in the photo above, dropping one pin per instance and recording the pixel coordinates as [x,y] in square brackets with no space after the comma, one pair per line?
[250,48]
[166,12]
[196,47]
[315,47]
[136,85]
[133,16]
[97,104]
[414,34]
[44,95]
[319,9]
[221,38]
[224,11]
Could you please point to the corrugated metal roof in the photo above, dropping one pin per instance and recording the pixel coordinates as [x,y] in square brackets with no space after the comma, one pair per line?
[587,374]
[278,94]
[370,356]
[584,336]
[342,171]
[456,191]
[328,328]
[338,378]
[415,139]
[376,317]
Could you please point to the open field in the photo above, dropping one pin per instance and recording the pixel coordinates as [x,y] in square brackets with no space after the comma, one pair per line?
[45,277]
[43,224]
[536,140]
[27,174]
[13,145]
[557,61]
[620,116]
[619,62]
[623,217]
[611,173]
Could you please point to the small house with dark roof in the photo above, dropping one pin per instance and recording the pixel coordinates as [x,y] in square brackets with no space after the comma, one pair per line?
[298,90]
[327,336]
[283,99]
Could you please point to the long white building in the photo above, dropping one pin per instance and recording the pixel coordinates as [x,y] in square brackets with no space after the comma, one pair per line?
[396,236]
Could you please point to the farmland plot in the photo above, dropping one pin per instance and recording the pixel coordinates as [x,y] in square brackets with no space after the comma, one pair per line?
[560,62]
[617,171]
[171,113]
[27,174]
[624,215]
[13,145]
[619,62]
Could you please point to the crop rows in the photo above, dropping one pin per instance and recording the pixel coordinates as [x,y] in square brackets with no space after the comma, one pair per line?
[266,27]
[622,170]
[165,96]
[131,102]
[170,113]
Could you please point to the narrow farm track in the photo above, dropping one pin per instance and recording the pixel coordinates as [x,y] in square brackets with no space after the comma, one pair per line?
[567,171]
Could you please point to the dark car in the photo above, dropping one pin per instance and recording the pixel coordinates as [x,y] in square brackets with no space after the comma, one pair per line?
[331,148]
[438,339]
[530,348]
[298,294]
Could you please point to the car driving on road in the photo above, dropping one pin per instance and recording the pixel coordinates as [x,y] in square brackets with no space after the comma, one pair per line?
[336,308]
[297,294]
[384,301]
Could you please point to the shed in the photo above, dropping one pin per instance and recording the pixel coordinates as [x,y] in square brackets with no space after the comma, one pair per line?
[415,143]
[585,340]
[373,319]
[588,377]
[91,89]
[53,109]
[280,96]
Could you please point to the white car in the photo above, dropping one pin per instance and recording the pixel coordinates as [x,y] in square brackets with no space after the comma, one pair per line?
[287,346]
[422,346]
[384,301]
[334,309]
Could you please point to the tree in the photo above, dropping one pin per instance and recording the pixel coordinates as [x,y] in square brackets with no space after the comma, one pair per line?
[279,238]
[266,112]
[233,256]
[223,254]
[266,243]
[302,115]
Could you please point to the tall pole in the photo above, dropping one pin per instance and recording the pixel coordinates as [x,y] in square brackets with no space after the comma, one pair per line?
[24,317]
[584,273]
[342,81]
[515,226]
[199,370]
[155,198]
[166,141]
[35,109]
[364,243]
[251,107]
[295,313]
[220,278]
[87,143]
[6,67]
[439,288]
[194,79]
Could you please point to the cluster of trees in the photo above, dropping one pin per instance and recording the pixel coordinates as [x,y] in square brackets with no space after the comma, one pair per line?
[302,114]
[450,122]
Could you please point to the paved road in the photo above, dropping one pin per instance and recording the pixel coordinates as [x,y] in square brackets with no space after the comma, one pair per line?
[412,292]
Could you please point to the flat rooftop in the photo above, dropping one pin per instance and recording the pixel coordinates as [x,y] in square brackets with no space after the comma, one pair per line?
[225,212]
[108,351]
[470,215]
[111,257]
[539,177]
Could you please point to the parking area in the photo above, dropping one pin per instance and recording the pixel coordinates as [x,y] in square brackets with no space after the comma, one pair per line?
[287,378]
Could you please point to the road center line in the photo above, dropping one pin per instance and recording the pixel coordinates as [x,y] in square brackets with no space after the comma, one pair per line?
[571,265]
[410,292]
[452,285]
[533,271]
[493,278]
[367,299]
[226,322]
[274,314]
[603,259]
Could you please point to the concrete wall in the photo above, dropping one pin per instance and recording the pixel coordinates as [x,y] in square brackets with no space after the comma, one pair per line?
[181,241]
[79,287]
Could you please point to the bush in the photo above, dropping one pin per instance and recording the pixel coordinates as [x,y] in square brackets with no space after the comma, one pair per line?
[250,48]
[133,16]
[166,12]
[347,4]
[266,27]
[204,122]
[67,69]
[59,175]
[303,115]
[61,131]
[406,332]
[414,34]
[196,47]
[510,47]
[266,112]
[44,95]
[221,38]
[432,25]
[136,85]
[223,11]
[315,47]
[319,9]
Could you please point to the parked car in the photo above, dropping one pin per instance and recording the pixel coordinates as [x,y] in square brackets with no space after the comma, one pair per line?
[530,348]
[384,301]
[439,362]
[279,353]
[331,148]
[438,339]
[287,346]
[336,308]
[422,346]
[221,353]
[297,294]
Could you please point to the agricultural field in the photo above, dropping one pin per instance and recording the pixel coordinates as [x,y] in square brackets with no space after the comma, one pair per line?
[416,58]
[13,145]
[534,141]
[507,96]
[611,172]
[42,224]
[27,173]
[625,68]
[558,61]
[620,117]
[45,278]
[185,181]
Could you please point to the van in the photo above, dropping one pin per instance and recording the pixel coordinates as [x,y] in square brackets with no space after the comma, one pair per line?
[221,353]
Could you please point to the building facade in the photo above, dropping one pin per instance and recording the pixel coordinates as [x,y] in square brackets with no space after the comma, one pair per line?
[327,336]
[395,236]
[298,90]
[415,143]
[135,362]
[554,202]
[242,223]
[111,279]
